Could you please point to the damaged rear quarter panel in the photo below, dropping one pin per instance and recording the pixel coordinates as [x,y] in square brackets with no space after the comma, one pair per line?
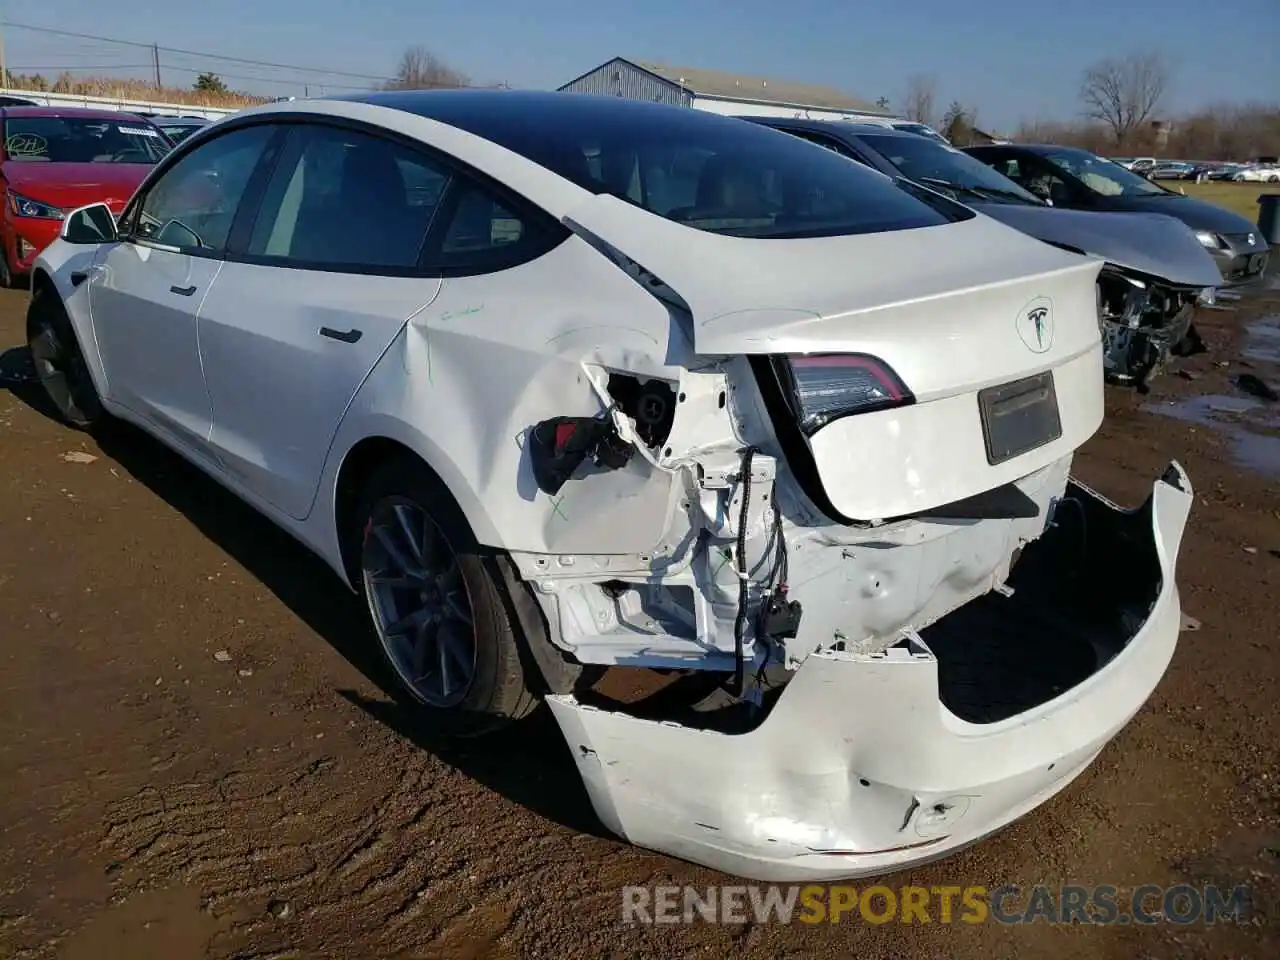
[495,354]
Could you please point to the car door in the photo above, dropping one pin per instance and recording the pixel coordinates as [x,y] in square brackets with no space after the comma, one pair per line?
[318,284]
[145,291]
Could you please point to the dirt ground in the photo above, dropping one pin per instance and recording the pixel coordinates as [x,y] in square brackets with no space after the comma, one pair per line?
[197,759]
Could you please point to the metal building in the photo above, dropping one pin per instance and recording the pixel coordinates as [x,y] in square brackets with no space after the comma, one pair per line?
[719,92]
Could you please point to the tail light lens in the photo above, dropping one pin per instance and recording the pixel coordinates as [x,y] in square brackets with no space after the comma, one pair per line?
[826,387]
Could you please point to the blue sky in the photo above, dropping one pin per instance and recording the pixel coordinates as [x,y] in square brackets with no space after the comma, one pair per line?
[994,54]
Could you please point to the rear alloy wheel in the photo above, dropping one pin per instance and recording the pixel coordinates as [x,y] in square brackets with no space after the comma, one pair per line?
[59,364]
[419,603]
[439,612]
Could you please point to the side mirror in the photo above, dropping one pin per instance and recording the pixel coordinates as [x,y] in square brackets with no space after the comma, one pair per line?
[91,224]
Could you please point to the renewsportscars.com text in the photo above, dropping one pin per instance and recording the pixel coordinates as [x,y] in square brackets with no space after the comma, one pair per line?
[877,903]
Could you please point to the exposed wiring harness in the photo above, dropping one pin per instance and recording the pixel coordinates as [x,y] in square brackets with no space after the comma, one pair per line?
[775,591]
[740,562]
[777,587]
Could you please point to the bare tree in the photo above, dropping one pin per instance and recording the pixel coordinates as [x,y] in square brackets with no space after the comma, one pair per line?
[958,123]
[919,101]
[420,69]
[1123,94]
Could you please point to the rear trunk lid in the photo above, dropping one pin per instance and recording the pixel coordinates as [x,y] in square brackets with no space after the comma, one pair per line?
[953,309]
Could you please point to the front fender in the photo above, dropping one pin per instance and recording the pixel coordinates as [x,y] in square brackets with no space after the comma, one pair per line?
[60,265]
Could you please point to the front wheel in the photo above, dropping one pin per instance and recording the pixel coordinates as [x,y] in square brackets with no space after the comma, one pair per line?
[438,609]
[59,363]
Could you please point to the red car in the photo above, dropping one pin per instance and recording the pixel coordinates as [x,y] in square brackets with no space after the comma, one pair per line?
[53,160]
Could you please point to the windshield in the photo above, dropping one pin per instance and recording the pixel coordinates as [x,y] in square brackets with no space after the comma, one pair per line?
[81,140]
[1102,176]
[928,161]
[707,172]
[178,132]
[921,129]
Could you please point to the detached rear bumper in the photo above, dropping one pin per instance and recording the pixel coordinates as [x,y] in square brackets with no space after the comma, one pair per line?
[860,768]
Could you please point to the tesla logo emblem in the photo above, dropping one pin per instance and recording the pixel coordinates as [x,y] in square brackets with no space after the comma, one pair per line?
[1035,325]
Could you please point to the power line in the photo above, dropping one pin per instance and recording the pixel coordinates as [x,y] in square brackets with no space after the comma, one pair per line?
[103,66]
[240,76]
[195,53]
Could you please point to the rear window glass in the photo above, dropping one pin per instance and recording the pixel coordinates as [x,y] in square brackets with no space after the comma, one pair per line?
[711,173]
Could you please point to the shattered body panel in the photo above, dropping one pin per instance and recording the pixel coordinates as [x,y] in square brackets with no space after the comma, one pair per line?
[861,768]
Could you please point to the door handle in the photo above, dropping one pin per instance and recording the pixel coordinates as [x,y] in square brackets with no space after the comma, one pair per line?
[78,277]
[348,336]
[183,291]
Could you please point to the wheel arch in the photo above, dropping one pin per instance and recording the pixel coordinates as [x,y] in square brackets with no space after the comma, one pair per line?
[42,281]
[391,440]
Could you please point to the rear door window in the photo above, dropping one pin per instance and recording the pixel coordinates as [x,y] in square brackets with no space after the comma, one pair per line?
[482,229]
[341,199]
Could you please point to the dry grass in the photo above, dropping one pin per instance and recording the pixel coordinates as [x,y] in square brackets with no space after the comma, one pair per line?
[123,89]
[1242,198]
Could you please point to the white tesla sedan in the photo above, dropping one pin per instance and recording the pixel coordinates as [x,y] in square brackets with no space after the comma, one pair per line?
[559,383]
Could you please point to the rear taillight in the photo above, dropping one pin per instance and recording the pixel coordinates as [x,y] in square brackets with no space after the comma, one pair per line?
[826,387]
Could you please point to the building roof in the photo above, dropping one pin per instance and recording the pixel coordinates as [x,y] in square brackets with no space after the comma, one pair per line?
[739,86]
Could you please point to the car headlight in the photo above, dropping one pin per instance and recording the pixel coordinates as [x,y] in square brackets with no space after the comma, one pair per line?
[26,207]
[1210,240]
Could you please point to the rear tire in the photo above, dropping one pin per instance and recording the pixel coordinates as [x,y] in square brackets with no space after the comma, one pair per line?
[59,362]
[437,606]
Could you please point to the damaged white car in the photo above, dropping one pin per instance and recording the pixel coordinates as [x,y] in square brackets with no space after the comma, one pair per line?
[561,383]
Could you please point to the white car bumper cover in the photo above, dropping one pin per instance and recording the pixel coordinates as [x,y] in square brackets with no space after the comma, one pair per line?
[859,769]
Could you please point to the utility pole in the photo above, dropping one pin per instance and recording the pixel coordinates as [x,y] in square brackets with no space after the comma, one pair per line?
[155,60]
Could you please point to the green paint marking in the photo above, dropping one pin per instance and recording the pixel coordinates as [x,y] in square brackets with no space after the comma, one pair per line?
[724,558]
[555,505]
[455,314]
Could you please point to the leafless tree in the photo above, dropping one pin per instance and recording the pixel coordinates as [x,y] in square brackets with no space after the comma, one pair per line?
[958,123]
[1123,94]
[420,69]
[918,102]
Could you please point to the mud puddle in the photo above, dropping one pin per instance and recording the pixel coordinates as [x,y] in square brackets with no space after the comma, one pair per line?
[1251,426]
[1262,340]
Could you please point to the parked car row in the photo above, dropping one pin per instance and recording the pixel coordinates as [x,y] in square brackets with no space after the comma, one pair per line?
[53,160]
[1155,269]
[1077,179]
[1262,171]
[557,383]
